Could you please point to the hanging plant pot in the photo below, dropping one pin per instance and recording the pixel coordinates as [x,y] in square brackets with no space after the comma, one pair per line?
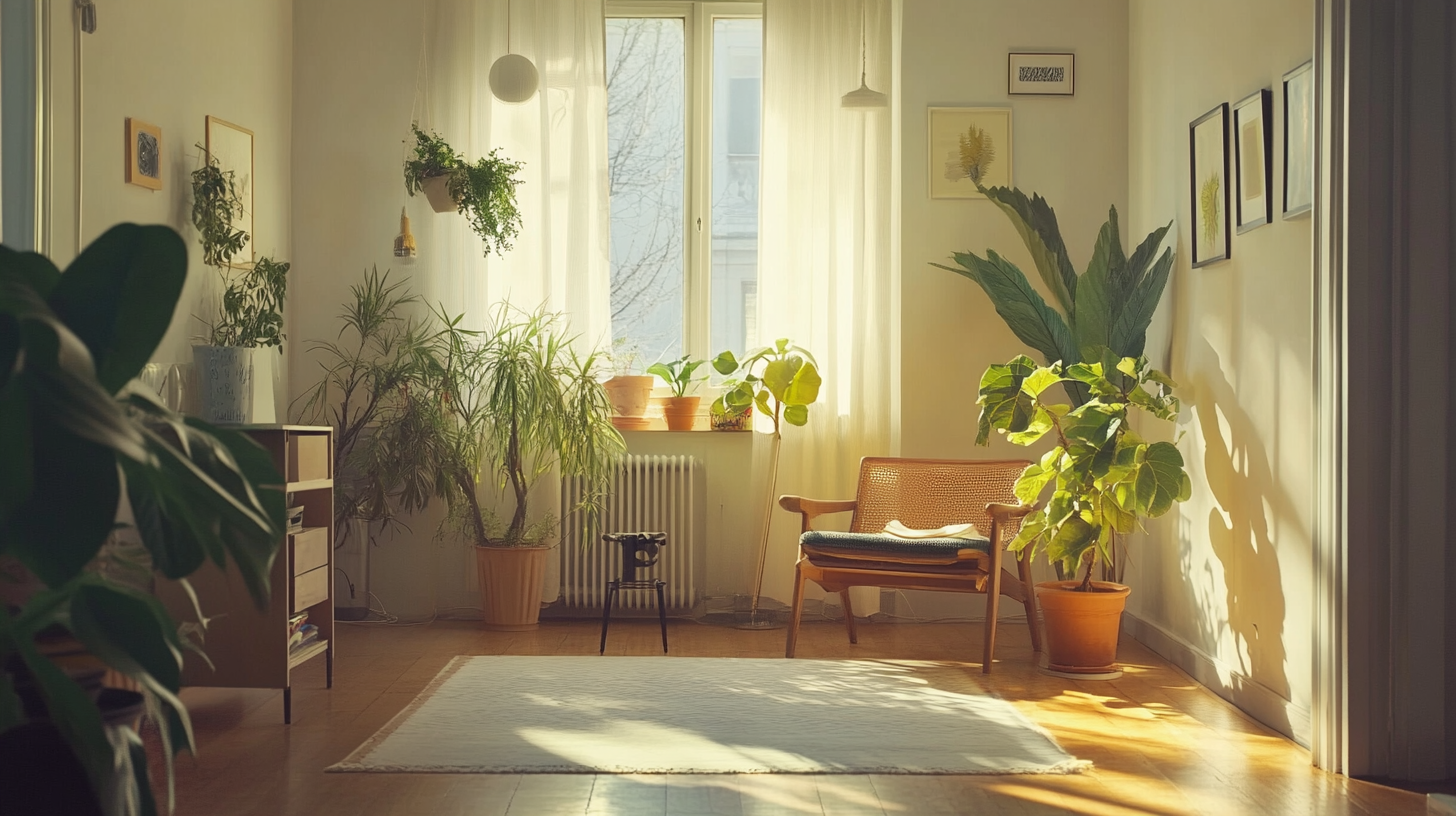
[629,394]
[510,586]
[1082,627]
[681,413]
[437,192]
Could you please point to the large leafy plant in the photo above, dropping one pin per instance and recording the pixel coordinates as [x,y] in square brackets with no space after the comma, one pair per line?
[484,192]
[782,380]
[1109,306]
[1102,476]
[72,439]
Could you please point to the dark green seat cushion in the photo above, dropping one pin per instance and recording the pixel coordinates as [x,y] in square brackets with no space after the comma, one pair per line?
[881,542]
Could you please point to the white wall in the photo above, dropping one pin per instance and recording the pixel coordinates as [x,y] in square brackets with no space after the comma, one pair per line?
[171,63]
[1071,150]
[1223,584]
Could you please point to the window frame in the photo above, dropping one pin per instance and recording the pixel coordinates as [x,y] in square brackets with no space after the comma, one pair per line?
[697,17]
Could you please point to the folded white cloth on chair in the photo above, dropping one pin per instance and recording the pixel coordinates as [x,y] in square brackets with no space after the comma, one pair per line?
[898,530]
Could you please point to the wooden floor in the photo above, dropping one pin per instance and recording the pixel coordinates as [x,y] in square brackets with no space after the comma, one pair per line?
[1161,744]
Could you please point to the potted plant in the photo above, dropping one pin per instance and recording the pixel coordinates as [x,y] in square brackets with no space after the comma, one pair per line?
[484,192]
[386,454]
[76,438]
[1102,477]
[680,410]
[236,383]
[517,402]
[783,381]
[733,409]
[628,391]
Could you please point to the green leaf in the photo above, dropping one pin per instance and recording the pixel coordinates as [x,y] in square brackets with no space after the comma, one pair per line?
[725,363]
[796,414]
[129,630]
[778,375]
[1040,380]
[1129,333]
[1004,404]
[1026,314]
[1099,300]
[1036,223]
[804,388]
[1160,479]
[118,297]
[1041,422]
[53,533]
[662,371]
[1071,541]
[16,448]
[1137,265]
[1036,477]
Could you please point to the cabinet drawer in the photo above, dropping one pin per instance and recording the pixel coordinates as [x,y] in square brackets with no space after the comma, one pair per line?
[308,457]
[310,549]
[310,588]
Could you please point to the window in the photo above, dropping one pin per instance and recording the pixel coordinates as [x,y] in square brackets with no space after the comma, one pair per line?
[684,90]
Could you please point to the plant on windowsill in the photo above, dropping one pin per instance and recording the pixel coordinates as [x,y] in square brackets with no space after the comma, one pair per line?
[518,402]
[484,192]
[628,390]
[680,410]
[783,381]
[74,436]
[236,382]
[1101,477]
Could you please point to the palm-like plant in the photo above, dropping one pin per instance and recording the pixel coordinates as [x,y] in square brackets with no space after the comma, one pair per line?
[1109,306]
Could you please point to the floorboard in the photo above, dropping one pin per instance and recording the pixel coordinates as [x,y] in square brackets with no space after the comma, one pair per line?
[1161,744]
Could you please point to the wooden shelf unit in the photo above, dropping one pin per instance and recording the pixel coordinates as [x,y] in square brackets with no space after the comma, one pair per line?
[247,646]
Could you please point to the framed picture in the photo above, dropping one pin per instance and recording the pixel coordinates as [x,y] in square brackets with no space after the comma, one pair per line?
[1253,176]
[143,154]
[232,146]
[969,146]
[1041,74]
[1299,141]
[1208,164]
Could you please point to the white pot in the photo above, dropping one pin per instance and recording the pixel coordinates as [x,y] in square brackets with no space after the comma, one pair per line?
[437,192]
[235,385]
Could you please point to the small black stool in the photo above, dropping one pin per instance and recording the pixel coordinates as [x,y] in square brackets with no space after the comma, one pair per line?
[639,551]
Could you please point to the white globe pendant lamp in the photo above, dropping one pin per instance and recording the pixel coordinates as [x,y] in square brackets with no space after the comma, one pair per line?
[864,96]
[513,77]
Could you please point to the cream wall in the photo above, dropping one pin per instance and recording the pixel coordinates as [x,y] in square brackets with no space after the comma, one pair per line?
[1223,584]
[1071,150]
[171,63]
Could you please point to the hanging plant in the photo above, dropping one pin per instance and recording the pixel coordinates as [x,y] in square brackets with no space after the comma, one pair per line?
[484,192]
[216,203]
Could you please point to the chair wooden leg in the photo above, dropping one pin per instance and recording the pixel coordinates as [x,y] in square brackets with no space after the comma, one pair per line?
[1024,567]
[993,604]
[848,616]
[795,612]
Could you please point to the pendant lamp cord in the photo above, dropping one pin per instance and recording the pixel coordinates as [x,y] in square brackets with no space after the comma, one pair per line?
[422,85]
[863,52]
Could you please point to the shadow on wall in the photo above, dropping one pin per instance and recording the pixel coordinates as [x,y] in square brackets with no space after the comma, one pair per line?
[1246,495]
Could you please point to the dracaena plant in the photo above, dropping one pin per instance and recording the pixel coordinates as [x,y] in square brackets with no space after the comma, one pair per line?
[782,380]
[1109,306]
[1102,477]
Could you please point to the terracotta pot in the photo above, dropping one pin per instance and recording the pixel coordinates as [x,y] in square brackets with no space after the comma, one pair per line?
[629,394]
[436,190]
[1082,627]
[680,412]
[510,586]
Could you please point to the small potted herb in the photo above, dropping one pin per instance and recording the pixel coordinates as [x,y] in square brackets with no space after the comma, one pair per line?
[628,390]
[484,192]
[680,410]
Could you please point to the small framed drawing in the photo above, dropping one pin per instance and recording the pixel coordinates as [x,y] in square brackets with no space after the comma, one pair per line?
[232,146]
[143,154]
[1298,141]
[1041,74]
[1253,177]
[969,148]
[1208,172]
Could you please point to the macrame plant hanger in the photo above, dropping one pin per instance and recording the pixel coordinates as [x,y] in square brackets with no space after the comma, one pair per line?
[405,247]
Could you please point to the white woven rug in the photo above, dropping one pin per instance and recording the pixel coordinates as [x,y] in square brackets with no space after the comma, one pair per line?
[707,715]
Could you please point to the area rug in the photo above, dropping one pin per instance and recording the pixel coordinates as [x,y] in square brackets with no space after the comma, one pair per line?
[501,714]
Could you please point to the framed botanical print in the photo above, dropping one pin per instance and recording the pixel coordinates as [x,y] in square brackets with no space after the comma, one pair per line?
[969,148]
[1208,171]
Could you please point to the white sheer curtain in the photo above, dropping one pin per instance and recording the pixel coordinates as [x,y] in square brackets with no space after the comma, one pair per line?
[829,257]
[560,259]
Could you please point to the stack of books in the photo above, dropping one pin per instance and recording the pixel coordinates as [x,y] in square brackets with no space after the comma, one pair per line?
[301,633]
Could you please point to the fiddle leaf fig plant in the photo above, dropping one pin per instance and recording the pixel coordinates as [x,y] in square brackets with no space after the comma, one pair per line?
[1102,476]
[678,374]
[782,380]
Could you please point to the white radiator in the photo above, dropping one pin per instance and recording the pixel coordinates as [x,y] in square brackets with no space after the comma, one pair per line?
[648,494]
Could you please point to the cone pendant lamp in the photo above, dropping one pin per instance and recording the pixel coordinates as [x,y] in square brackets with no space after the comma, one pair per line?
[864,96]
[404,243]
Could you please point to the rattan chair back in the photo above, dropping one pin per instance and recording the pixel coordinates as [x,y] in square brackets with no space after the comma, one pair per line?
[929,493]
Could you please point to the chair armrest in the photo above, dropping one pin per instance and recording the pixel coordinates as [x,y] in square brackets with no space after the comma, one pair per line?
[812,508]
[1008,512]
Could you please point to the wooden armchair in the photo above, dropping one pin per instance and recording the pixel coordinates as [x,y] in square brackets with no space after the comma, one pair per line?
[922,494]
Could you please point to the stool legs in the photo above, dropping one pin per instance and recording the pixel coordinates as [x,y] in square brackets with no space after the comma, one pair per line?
[662,613]
[607,613]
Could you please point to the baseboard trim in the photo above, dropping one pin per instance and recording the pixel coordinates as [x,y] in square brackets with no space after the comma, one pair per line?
[1253,698]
